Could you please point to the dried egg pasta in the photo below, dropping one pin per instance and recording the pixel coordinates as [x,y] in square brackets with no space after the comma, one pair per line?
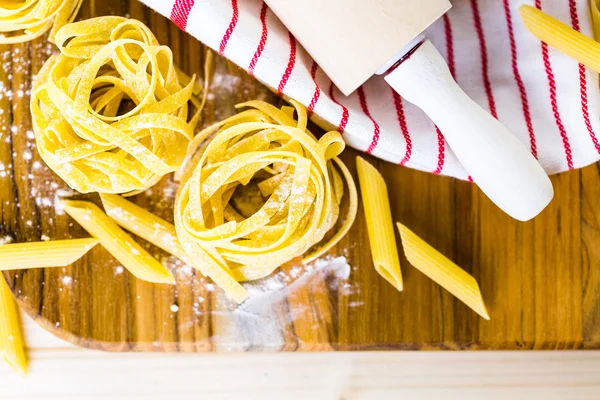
[55,253]
[144,224]
[442,271]
[299,177]
[110,114]
[380,225]
[12,344]
[562,37]
[25,20]
[126,250]
[594,8]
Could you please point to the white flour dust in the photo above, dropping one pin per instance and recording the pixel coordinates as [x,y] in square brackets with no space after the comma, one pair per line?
[261,321]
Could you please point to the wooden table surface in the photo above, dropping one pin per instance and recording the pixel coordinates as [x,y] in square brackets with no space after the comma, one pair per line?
[540,280]
[59,370]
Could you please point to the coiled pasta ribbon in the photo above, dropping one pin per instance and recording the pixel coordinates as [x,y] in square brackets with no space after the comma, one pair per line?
[301,182]
[25,20]
[110,112]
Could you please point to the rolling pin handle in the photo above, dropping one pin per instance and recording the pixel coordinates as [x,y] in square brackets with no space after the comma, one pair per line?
[497,161]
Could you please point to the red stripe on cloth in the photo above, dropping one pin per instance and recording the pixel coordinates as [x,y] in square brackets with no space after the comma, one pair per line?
[583,81]
[484,59]
[345,113]
[263,39]
[317,93]
[180,12]
[365,108]
[452,66]
[403,126]
[553,99]
[441,151]
[519,80]
[449,45]
[234,19]
[290,65]
[585,108]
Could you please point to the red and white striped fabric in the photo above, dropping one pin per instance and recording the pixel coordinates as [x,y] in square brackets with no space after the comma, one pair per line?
[548,100]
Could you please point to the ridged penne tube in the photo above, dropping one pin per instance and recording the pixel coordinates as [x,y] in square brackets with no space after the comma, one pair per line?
[12,344]
[595,10]
[380,225]
[442,271]
[562,37]
[122,246]
[55,253]
[144,224]
[25,20]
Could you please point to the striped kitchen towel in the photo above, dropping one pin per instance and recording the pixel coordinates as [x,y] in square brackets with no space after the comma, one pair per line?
[547,99]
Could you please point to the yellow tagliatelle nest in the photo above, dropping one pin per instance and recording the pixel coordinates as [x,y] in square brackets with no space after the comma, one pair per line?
[300,182]
[110,112]
[25,20]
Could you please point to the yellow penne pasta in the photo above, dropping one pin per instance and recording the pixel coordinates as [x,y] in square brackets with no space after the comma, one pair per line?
[380,225]
[126,250]
[12,345]
[55,253]
[562,37]
[25,20]
[595,9]
[144,224]
[443,271]
[162,234]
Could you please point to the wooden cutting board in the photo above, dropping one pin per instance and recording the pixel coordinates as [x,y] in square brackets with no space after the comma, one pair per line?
[540,280]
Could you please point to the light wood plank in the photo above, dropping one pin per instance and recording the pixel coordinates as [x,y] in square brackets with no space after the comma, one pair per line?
[60,370]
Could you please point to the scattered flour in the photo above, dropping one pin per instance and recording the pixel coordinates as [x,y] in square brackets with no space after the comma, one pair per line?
[227,83]
[260,321]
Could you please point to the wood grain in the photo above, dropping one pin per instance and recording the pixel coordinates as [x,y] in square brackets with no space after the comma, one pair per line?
[541,279]
[58,370]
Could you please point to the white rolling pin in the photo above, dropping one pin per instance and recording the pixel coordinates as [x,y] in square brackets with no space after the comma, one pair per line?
[353,39]
[496,160]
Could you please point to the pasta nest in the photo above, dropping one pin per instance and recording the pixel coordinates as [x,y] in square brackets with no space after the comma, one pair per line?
[300,181]
[110,112]
[25,20]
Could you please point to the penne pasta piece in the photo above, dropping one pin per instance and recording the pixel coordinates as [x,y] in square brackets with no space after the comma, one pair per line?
[162,234]
[379,223]
[126,250]
[562,37]
[55,253]
[144,224]
[442,271]
[12,345]
[594,7]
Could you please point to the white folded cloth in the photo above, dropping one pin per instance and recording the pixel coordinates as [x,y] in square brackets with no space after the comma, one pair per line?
[544,97]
